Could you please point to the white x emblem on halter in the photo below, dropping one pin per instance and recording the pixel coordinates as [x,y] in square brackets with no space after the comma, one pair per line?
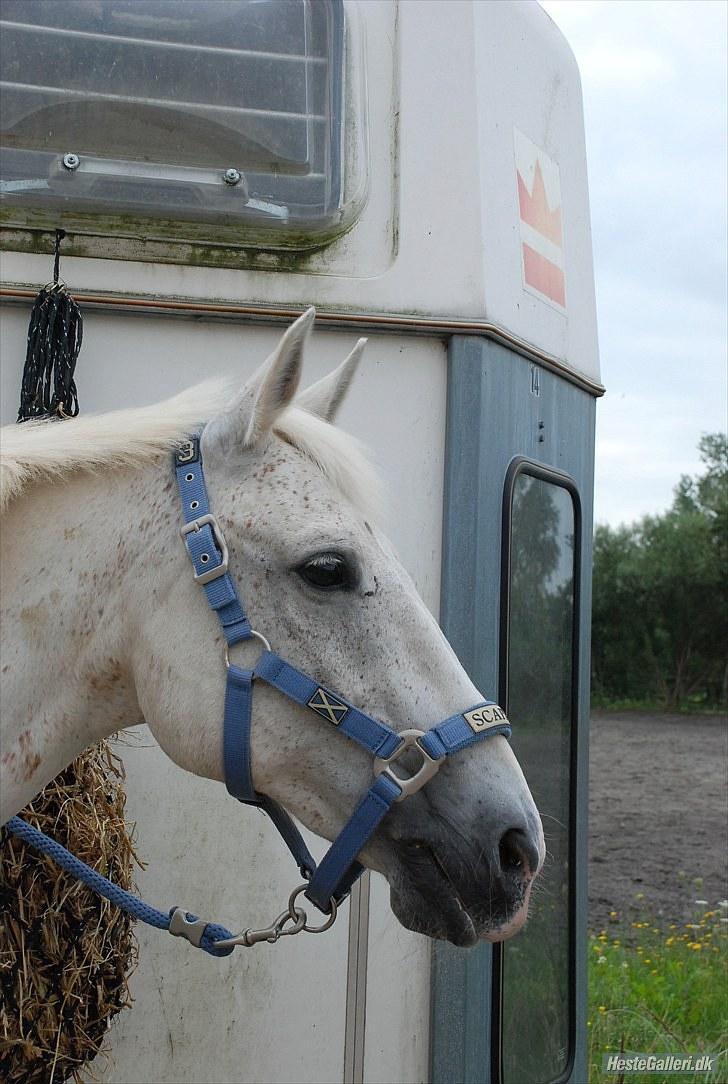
[325,705]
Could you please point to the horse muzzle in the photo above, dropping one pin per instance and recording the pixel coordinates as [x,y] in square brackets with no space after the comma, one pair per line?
[464,892]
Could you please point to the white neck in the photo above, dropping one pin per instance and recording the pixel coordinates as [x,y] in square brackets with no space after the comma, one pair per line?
[66,576]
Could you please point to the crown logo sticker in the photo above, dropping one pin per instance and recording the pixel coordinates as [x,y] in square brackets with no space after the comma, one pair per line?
[540,213]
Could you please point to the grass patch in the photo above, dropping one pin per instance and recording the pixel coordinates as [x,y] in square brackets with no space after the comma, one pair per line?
[660,990]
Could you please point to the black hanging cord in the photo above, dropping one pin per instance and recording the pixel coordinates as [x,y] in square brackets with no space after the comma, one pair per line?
[55,334]
[60,234]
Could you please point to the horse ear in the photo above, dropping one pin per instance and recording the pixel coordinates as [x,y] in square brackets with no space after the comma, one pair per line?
[268,392]
[326,396]
[276,382]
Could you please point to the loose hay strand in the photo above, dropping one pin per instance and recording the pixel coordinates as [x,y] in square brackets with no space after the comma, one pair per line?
[65,953]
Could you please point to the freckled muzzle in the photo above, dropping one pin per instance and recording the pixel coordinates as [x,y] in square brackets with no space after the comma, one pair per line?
[462,892]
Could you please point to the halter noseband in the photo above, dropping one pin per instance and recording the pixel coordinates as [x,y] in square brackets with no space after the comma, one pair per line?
[331,881]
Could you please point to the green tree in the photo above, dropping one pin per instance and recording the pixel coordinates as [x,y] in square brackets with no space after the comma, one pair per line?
[618,632]
[660,618]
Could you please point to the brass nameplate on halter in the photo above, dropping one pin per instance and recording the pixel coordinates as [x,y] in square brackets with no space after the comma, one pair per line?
[328,706]
[480,718]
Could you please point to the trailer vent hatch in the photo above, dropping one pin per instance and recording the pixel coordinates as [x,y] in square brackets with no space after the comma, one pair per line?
[220,112]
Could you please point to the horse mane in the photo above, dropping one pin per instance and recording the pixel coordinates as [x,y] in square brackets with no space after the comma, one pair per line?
[49,449]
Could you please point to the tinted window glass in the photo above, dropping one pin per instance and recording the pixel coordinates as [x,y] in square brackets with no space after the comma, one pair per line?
[536,966]
[159,99]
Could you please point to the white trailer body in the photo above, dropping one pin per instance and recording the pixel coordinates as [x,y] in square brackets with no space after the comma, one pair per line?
[457,237]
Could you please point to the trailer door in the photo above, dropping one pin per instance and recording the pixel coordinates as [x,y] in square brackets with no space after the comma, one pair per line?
[516,568]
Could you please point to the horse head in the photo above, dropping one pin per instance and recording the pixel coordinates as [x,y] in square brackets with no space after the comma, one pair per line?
[292,494]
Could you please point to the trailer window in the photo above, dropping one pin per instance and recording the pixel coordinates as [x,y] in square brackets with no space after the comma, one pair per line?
[224,114]
[535,972]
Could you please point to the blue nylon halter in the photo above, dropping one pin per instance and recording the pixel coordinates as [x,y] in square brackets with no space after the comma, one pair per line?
[330,882]
[338,870]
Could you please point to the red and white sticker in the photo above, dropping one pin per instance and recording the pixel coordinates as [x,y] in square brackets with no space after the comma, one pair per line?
[541,226]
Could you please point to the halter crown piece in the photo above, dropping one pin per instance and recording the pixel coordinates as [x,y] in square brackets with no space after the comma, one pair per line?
[327,884]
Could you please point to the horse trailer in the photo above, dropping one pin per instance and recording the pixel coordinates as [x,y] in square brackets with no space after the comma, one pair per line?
[417,171]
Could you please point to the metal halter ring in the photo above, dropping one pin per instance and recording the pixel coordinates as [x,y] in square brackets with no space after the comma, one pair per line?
[408,784]
[293,910]
[254,636]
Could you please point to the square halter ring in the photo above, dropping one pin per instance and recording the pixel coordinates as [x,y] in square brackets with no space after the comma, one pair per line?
[412,783]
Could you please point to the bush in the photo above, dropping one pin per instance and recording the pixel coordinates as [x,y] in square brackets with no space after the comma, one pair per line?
[660,601]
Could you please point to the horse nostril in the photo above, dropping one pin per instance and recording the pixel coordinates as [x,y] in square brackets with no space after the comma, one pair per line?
[414,848]
[516,852]
[413,844]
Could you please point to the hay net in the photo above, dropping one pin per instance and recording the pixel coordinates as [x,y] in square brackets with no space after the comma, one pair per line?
[65,953]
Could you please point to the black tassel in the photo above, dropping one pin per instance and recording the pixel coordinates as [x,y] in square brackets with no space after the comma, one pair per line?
[55,334]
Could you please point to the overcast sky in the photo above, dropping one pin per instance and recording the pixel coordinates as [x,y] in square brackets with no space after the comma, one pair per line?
[654,81]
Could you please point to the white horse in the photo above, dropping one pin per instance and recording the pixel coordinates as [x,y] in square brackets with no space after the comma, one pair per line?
[103,627]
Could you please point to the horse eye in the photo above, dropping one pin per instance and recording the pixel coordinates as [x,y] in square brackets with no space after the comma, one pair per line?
[327,572]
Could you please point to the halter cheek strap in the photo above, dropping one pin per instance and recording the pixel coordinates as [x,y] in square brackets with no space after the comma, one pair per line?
[332,880]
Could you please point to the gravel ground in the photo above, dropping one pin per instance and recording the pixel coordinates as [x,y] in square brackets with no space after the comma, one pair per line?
[658,814]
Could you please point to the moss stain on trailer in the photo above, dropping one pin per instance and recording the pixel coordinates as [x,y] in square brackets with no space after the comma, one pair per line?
[121,237]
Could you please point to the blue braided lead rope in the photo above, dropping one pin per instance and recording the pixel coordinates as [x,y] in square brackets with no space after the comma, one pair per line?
[127,901]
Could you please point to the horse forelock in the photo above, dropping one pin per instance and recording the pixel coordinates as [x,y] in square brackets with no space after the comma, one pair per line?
[44,450]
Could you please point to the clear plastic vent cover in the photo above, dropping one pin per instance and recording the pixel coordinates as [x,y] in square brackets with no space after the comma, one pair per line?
[227,111]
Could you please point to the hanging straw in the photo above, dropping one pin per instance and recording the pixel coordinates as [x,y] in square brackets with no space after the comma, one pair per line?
[65,953]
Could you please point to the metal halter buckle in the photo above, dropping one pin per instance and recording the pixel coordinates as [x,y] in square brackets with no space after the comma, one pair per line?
[408,784]
[219,570]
